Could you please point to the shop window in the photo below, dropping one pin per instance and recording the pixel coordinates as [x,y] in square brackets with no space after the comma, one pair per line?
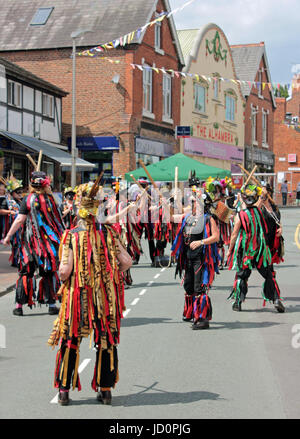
[14,94]
[230,108]
[48,105]
[167,96]
[199,98]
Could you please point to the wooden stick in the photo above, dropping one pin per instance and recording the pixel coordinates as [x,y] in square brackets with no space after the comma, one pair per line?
[38,168]
[176,183]
[256,182]
[149,176]
[32,161]
[251,175]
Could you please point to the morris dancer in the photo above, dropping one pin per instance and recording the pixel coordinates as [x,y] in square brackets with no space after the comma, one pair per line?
[197,255]
[15,189]
[249,249]
[40,239]
[68,208]
[92,300]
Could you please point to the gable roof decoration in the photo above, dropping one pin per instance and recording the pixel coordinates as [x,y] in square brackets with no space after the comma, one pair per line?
[214,47]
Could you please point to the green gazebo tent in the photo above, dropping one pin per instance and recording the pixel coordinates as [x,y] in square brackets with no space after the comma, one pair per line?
[164,170]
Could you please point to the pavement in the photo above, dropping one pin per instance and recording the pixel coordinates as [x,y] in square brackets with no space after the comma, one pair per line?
[8,274]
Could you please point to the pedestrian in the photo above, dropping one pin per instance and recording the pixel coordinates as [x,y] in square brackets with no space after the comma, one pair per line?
[92,299]
[298,194]
[249,249]
[284,192]
[40,238]
[196,253]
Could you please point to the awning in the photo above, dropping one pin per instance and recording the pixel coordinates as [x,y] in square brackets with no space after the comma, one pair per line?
[52,152]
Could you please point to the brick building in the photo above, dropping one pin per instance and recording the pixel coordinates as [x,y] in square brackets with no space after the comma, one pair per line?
[251,65]
[122,113]
[287,151]
[293,103]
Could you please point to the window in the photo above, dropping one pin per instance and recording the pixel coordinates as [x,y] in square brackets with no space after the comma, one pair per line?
[48,106]
[147,89]
[167,96]
[216,88]
[14,94]
[264,128]
[230,108]
[260,83]
[41,16]
[253,125]
[199,97]
[157,33]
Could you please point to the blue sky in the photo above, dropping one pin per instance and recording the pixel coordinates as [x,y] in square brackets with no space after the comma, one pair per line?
[276,22]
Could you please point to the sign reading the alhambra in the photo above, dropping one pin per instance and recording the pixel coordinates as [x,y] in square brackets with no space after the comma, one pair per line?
[214,134]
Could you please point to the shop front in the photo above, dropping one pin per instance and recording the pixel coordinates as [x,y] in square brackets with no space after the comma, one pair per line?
[264,160]
[151,151]
[99,151]
[55,162]
[216,154]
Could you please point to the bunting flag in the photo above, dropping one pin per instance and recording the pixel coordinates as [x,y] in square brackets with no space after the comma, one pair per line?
[128,38]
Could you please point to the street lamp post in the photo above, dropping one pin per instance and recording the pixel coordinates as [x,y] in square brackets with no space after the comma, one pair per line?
[74,35]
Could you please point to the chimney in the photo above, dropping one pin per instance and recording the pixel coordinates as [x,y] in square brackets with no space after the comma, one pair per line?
[280,112]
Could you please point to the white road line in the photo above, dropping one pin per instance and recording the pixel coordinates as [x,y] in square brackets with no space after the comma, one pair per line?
[150,283]
[80,369]
[126,312]
[163,269]
[135,301]
[157,275]
[143,292]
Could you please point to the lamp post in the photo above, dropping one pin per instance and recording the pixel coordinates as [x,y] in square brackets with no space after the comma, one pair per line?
[74,35]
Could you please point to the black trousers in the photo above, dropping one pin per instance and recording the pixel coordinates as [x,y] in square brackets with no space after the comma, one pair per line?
[271,289]
[108,376]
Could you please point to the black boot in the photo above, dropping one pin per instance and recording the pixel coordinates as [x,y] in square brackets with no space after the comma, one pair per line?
[63,398]
[53,310]
[237,306]
[104,397]
[18,312]
[279,306]
[200,324]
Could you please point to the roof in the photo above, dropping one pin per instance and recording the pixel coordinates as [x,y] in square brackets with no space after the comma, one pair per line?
[247,58]
[107,19]
[187,39]
[50,151]
[24,75]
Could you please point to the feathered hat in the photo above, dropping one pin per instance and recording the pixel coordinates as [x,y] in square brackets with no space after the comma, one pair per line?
[13,184]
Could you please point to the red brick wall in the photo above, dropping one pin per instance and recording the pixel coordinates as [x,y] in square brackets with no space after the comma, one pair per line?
[293,104]
[286,141]
[106,109]
[266,104]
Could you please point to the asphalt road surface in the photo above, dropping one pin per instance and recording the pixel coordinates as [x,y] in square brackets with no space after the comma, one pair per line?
[245,366]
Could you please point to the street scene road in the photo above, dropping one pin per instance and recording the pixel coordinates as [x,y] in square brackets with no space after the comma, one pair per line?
[246,365]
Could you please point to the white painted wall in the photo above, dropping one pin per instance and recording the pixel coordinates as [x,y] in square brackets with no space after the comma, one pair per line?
[28,96]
